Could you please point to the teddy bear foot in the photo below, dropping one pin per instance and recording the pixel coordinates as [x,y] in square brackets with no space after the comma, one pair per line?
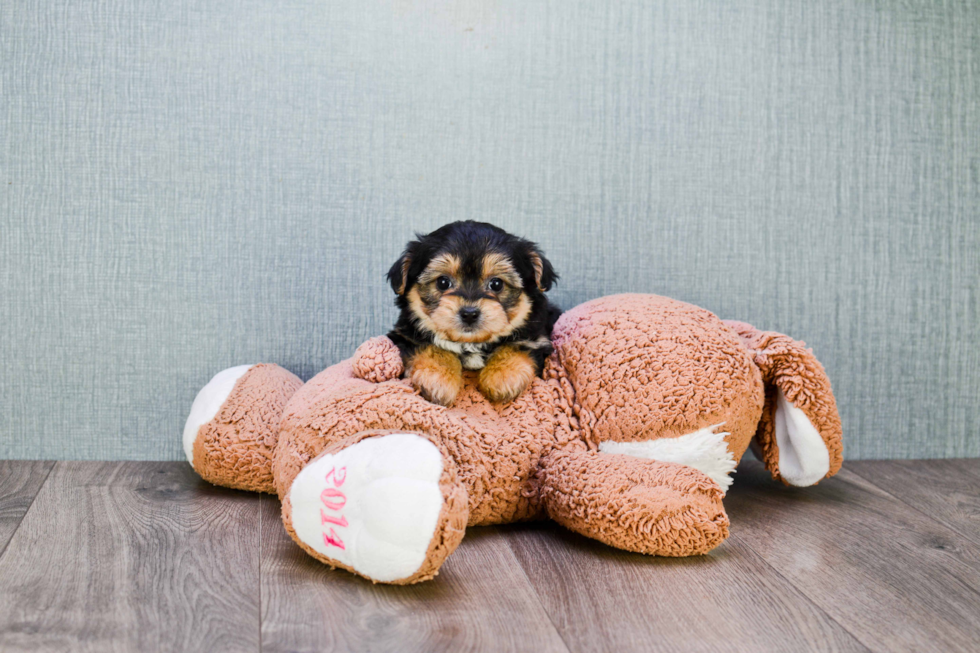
[388,507]
[233,428]
[208,401]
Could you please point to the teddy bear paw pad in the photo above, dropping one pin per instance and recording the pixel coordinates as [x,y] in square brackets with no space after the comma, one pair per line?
[373,507]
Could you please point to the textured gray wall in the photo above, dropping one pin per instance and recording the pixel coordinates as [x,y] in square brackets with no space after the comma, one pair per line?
[188,186]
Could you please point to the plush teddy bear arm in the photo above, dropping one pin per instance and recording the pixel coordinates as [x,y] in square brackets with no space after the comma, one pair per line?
[799,435]
[377,360]
[630,503]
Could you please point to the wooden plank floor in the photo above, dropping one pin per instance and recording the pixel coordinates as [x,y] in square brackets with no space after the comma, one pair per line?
[147,557]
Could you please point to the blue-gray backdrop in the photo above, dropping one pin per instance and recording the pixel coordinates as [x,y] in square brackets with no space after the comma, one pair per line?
[190,185]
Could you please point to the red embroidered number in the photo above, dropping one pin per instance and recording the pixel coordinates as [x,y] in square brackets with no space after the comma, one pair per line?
[333,499]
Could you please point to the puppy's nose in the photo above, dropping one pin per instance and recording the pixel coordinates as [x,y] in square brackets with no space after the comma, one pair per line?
[469,314]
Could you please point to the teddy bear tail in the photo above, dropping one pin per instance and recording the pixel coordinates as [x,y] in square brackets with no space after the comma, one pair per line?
[233,427]
[799,435]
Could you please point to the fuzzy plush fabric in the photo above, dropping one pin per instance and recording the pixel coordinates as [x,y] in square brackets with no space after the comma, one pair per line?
[646,367]
[646,506]
[235,448]
[787,365]
[628,372]
[495,448]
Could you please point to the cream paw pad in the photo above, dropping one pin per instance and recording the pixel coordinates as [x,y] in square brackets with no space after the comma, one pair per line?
[376,507]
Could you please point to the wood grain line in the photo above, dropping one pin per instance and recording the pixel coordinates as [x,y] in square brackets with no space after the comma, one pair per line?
[947,491]
[894,578]
[480,601]
[605,599]
[20,481]
[146,556]
[132,557]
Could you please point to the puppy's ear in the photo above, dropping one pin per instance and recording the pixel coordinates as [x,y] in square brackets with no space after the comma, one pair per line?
[416,255]
[544,274]
[398,274]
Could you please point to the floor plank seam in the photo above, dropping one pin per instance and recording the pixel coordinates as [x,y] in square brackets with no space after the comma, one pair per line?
[122,536]
[29,507]
[969,538]
[801,592]
[537,597]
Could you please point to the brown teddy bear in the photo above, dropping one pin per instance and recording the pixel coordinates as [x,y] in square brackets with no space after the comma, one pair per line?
[630,438]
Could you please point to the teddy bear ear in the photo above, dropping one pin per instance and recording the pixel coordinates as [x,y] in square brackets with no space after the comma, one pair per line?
[802,456]
[799,435]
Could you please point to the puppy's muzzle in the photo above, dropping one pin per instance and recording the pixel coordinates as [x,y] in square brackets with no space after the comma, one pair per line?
[469,315]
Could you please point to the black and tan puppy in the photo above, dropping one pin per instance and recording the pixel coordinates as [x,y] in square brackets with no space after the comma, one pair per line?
[472,296]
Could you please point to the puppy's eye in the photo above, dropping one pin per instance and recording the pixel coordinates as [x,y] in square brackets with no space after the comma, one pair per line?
[496,284]
[444,283]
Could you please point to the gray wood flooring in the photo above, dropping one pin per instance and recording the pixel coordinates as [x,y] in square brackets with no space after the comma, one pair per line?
[147,557]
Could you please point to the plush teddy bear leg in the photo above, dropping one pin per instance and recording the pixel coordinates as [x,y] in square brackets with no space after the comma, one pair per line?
[630,503]
[799,435]
[233,427]
[385,505]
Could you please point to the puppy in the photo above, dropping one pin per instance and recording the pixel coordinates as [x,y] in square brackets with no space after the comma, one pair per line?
[472,297]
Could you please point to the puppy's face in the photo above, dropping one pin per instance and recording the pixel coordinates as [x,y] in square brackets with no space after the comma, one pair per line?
[470,282]
[469,298]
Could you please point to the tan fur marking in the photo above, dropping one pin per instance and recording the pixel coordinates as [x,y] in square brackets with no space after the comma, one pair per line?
[498,265]
[418,307]
[444,321]
[538,270]
[406,263]
[506,374]
[518,314]
[444,264]
[437,374]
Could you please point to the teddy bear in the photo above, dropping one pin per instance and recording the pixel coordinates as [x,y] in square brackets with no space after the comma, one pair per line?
[630,437]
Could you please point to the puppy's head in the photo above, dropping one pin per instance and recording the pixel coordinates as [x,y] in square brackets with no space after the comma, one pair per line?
[470,281]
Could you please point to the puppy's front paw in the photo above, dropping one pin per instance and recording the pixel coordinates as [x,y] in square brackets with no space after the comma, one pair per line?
[437,374]
[506,374]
